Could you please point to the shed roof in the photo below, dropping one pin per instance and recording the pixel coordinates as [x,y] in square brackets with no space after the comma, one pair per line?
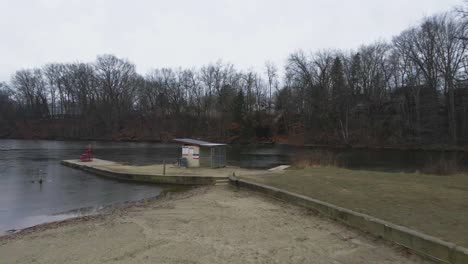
[198,142]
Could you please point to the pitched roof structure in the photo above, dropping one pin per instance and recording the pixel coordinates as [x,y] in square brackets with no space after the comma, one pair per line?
[200,143]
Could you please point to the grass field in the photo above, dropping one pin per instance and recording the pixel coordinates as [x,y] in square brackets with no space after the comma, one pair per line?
[435,205]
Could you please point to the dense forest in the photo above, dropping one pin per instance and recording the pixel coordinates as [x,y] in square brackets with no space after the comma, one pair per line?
[412,90]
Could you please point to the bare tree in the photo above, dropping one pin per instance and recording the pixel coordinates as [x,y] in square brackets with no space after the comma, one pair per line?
[116,78]
[272,74]
[451,51]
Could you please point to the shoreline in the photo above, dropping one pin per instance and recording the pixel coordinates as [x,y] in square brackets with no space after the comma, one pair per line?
[102,214]
[94,213]
[204,225]
[402,147]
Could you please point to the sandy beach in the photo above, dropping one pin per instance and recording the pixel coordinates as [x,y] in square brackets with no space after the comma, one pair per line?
[203,225]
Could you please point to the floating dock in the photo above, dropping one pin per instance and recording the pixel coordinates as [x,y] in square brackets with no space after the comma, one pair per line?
[157,174]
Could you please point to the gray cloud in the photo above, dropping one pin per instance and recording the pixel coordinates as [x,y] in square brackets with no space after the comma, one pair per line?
[155,34]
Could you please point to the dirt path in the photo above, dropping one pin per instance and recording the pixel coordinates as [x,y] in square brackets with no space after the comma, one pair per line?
[205,225]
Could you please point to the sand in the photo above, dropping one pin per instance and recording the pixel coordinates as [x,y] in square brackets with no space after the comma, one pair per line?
[203,225]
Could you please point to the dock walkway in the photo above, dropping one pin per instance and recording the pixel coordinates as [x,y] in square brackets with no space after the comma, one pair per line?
[155,173]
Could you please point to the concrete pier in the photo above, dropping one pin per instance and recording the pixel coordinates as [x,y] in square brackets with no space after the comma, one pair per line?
[156,174]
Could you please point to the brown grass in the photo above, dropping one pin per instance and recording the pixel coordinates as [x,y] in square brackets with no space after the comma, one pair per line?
[432,204]
[445,164]
[316,158]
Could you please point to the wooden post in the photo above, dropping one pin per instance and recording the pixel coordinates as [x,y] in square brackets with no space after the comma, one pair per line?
[164,167]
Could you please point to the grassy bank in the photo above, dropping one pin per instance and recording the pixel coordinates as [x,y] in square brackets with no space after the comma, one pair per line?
[435,205]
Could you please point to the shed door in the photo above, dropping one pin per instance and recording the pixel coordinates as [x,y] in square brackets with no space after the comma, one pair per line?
[218,157]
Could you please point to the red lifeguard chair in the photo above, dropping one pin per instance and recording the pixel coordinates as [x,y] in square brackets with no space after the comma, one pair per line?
[87,156]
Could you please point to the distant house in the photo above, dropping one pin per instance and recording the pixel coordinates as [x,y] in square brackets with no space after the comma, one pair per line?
[203,154]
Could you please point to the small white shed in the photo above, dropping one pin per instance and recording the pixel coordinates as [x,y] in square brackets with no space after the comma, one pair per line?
[203,154]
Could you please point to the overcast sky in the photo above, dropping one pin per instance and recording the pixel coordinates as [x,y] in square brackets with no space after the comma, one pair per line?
[155,34]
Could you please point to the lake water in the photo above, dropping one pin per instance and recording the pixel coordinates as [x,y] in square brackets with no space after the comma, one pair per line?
[24,203]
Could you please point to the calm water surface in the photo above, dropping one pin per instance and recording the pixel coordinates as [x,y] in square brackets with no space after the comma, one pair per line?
[24,202]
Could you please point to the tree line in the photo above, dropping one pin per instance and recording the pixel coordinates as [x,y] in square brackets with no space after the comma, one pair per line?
[411,90]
